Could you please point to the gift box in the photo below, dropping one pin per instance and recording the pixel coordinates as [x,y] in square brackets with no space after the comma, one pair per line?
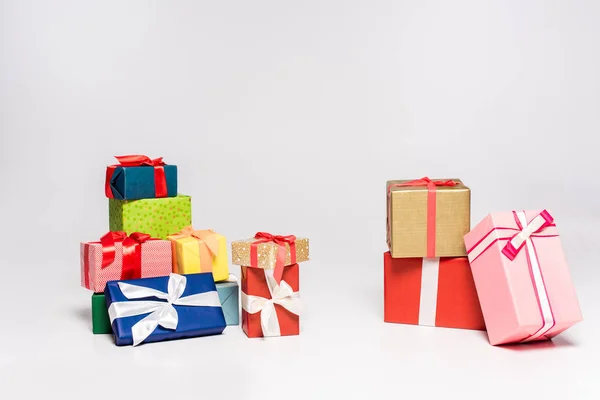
[269,251]
[105,260]
[230,301]
[228,296]
[156,217]
[100,320]
[522,277]
[139,177]
[166,308]
[427,218]
[196,251]
[269,308]
[431,291]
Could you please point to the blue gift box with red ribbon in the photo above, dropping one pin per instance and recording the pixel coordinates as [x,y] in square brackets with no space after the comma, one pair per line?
[140,177]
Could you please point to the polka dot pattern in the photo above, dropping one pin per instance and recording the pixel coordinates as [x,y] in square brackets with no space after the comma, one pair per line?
[158,218]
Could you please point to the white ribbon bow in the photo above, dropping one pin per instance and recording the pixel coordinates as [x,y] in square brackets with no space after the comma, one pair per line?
[162,313]
[281,294]
[527,230]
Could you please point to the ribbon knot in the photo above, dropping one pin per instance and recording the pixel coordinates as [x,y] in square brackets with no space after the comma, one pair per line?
[162,313]
[425,181]
[537,225]
[138,161]
[280,241]
[281,294]
[132,252]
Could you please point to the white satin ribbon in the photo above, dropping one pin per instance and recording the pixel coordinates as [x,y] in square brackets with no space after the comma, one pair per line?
[527,230]
[232,279]
[161,313]
[538,281]
[429,291]
[281,294]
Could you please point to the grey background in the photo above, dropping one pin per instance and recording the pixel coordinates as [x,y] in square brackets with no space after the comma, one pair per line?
[289,117]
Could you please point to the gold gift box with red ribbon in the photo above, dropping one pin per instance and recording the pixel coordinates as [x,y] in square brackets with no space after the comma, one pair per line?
[427,218]
[267,249]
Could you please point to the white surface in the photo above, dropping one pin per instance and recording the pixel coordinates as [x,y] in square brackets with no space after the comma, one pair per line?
[289,117]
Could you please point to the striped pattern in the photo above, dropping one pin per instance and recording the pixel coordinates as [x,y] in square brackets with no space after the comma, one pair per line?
[156,261]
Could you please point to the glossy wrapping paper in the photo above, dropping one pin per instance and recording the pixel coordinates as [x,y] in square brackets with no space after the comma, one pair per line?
[156,260]
[267,252]
[228,295]
[417,228]
[159,217]
[530,297]
[132,183]
[254,283]
[431,291]
[192,321]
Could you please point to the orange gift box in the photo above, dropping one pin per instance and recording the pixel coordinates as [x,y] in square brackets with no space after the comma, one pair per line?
[255,286]
[431,291]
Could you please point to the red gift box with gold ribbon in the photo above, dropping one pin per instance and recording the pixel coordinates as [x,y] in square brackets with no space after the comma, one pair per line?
[118,256]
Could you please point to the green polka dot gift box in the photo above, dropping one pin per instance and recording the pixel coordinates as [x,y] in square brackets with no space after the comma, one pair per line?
[158,217]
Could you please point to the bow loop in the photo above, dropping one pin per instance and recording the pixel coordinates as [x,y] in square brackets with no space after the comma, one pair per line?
[139,160]
[537,225]
[139,237]
[263,235]
[108,246]
[284,239]
[280,241]
[210,240]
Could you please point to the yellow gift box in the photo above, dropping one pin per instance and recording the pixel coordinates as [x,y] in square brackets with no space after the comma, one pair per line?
[200,251]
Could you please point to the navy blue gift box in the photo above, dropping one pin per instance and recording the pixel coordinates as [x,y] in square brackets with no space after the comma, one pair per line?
[138,182]
[164,308]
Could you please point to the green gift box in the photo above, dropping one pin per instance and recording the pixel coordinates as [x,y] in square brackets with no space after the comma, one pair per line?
[100,320]
[157,217]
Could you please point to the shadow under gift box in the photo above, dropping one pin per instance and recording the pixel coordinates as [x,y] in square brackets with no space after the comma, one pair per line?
[159,217]
[254,283]
[133,183]
[193,321]
[431,291]
[156,260]
[514,306]
[413,222]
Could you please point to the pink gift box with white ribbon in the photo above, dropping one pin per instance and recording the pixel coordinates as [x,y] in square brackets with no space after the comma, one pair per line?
[521,276]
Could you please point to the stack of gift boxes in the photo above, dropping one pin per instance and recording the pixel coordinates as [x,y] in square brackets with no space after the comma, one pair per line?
[508,275]
[156,278]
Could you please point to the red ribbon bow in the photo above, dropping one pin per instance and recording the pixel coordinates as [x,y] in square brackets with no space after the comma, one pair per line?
[132,252]
[431,207]
[281,241]
[160,181]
